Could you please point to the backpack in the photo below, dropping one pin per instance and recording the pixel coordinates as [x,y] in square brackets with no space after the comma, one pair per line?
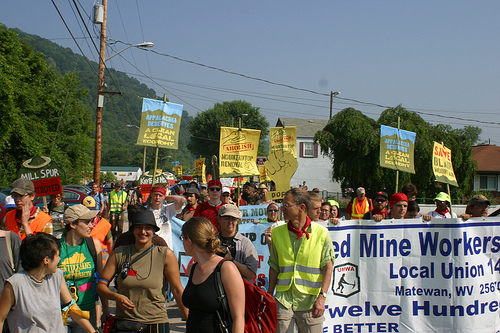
[260,310]
[261,314]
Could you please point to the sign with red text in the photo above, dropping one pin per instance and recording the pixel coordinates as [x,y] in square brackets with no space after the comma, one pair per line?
[238,152]
[283,139]
[47,186]
[442,166]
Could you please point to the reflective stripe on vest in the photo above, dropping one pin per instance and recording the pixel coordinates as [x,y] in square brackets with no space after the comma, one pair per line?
[358,214]
[116,202]
[303,270]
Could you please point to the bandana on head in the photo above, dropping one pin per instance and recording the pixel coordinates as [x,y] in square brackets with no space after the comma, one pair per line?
[397,197]
[214,182]
[159,189]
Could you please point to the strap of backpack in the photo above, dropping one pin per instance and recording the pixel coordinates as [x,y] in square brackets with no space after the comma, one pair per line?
[92,249]
[222,298]
[8,241]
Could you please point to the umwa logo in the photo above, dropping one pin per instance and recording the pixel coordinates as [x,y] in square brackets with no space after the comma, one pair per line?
[345,280]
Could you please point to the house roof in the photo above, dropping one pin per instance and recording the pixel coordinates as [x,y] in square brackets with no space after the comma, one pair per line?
[118,168]
[487,157]
[305,127]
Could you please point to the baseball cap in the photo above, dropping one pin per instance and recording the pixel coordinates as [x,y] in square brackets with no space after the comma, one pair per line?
[479,199]
[226,190]
[89,202]
[263,186]
[9,202]
[360,190]
[22,186]
[78,212]
[442,196]
[145,217]
[230,210]
[381,194]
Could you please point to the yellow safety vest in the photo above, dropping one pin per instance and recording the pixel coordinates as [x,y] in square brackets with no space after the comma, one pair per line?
[358,214]
[116,201]
[304,271]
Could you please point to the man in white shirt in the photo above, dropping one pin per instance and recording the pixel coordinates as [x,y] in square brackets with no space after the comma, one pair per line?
[164,212]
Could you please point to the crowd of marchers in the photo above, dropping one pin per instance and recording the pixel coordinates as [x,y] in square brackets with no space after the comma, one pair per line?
[63,264]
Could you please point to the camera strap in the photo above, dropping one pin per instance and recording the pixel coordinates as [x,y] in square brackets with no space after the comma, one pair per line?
[139,257]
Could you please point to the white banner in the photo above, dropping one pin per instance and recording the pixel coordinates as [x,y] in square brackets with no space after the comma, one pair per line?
[402,275]
[410,276]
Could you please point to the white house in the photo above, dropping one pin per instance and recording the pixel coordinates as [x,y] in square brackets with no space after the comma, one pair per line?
[126,173]
[313,168]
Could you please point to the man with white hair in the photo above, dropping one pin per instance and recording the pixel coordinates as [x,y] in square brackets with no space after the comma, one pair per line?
[359,206]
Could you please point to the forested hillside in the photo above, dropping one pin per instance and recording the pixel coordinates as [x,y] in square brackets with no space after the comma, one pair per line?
[118,144]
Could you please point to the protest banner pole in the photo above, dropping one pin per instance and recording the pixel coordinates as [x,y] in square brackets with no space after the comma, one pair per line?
[397,170]
[448,188]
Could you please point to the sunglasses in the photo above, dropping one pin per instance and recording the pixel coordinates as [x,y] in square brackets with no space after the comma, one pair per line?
[215,189]
[273,210]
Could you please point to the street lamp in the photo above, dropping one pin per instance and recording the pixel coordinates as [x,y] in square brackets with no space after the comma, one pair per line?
[100,93]
[140,45]
[143,154]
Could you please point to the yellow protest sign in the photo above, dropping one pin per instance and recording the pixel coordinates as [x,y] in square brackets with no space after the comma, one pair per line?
[280,166]
[264,177]
[442,165]
[178,170]
[160,124]
[199,169]
[238,152]
[283,139]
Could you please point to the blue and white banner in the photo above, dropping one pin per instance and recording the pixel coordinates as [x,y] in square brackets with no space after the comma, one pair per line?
[410,276]
[402,275]
[254,232]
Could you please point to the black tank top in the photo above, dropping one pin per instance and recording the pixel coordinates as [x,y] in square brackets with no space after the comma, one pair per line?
[201,300]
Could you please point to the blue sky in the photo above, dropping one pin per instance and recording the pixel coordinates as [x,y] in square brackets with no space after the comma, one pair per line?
[437,57]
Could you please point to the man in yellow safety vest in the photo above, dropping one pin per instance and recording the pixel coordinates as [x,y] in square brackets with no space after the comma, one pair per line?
[300,266]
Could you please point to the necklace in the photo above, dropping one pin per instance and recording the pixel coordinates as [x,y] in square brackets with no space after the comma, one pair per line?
[215,205]
[35,279]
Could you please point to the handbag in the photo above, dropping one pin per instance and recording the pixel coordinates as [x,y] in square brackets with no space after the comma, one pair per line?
[128,326]
[223,314]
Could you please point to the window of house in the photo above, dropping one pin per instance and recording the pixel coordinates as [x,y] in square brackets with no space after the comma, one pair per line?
[308,149]
[488,182]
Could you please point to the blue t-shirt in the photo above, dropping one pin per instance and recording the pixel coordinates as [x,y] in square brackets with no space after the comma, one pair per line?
[99,199]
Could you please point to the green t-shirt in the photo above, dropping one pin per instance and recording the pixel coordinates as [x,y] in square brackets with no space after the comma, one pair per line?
[79,268]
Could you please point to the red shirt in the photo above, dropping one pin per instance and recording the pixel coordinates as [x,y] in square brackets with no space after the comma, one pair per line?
[210,212]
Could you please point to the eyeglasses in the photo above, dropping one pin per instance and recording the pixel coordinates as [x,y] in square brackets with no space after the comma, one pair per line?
[16,196]
[287,205]
[215,189]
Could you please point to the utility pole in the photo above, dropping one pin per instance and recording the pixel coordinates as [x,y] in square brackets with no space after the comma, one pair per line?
[100,99]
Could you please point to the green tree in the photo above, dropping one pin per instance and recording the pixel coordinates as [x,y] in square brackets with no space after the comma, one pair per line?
[41,112]
[205,127]
[352,141]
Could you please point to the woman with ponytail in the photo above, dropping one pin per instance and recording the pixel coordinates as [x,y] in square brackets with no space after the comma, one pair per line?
[200,295]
